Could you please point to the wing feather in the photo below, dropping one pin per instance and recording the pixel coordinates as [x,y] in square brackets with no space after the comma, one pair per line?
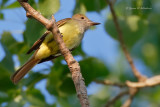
[37,44]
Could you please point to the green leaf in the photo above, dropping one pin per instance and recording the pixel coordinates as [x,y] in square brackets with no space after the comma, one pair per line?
[93,5]
[133,28]
[69,101]
[150,54]
[33,78]
[23,58]
[48,7]
[6,67]
[13,5]
[60,76]
[8,61]
[92,69]
[79,8]
[35,97]
[63,102]
[15,104]
[3,97]
[125,8]
[154,24]
[78,51]
[56,78]
[33,31]
[100,98]
[5,83]
[60,80]
[3,3]
[11,44]
[67,86]
[1,16]
[7,41]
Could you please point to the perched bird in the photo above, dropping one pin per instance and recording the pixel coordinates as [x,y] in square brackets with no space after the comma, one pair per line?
[72,30]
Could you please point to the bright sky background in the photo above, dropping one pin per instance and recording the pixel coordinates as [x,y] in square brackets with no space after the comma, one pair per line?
[96,42]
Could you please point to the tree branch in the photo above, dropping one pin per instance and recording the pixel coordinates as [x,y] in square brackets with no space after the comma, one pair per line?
[71,62]
[108,82]
[132,93]
[112,101]
[138,75]
[150,82]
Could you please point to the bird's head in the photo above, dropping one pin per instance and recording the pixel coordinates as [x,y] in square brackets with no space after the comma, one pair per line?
[84,20]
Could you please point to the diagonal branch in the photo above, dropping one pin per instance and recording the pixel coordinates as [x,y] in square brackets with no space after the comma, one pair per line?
[138,75]
[132,93]
[108,82]
[72,63]
[150,82]
[112,101]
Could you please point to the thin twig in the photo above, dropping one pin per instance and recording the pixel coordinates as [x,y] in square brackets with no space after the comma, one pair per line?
[72,63]
[132,93]
[150,82]
[138,75]
[107,82]
[112,101]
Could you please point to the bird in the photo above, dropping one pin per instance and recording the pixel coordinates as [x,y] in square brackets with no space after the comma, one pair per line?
[72,31]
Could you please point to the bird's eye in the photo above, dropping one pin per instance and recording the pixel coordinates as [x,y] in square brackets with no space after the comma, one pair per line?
[82,17]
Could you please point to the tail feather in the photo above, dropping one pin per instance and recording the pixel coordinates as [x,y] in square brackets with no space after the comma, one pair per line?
[21,72]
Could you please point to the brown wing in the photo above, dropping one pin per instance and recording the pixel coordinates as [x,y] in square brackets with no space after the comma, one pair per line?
[40,40]
[62,22]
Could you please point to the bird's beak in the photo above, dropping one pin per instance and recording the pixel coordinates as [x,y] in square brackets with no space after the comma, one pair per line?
[93,23]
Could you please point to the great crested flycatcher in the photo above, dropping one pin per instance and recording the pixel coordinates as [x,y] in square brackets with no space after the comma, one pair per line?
[72,30]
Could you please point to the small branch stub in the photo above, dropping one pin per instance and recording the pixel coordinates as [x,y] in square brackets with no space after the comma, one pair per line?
[28,15]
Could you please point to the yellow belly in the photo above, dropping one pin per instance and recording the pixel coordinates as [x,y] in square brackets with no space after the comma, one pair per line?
[72,37]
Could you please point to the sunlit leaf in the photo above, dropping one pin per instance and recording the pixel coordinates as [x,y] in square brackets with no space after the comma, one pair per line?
[80,8]
[93,5]
[48,7]
[133,28]
[13,5]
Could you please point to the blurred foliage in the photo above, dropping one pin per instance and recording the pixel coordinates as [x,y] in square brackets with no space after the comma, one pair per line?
[131,25]
[141,30]
[89,5]
[36,29]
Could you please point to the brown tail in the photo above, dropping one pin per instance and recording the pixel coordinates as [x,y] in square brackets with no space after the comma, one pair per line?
[21,72]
